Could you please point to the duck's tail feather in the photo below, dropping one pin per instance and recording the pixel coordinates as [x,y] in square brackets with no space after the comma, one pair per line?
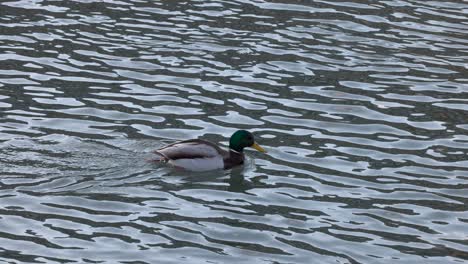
[161,158]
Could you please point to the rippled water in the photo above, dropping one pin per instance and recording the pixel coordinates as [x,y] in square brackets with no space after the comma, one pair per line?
[361,105]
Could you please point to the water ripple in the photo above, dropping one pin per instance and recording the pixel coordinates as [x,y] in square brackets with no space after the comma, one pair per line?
[361,106]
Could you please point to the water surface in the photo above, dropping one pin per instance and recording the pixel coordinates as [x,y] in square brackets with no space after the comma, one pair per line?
[361,106]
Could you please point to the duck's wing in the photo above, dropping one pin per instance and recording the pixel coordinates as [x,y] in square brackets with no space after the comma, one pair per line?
[191,149]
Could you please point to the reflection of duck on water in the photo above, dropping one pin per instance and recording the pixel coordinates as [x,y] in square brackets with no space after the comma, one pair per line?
[202,155]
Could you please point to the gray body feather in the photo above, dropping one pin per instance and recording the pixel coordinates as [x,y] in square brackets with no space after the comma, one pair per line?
[197,154]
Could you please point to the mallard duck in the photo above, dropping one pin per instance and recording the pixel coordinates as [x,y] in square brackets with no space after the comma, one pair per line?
[202,155]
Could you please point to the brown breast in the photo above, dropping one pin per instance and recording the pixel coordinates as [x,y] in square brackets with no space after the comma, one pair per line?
[233,159]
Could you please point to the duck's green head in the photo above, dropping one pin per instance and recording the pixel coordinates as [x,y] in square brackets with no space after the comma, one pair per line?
[242,139]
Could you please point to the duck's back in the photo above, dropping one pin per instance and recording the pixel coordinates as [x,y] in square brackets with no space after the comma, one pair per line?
[190,149]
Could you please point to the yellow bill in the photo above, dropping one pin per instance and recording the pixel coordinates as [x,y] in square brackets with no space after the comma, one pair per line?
[257,147]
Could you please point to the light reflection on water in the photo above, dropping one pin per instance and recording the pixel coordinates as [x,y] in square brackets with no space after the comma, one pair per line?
[361,107]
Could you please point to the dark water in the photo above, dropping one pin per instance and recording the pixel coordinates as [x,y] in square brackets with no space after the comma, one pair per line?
[362,106]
